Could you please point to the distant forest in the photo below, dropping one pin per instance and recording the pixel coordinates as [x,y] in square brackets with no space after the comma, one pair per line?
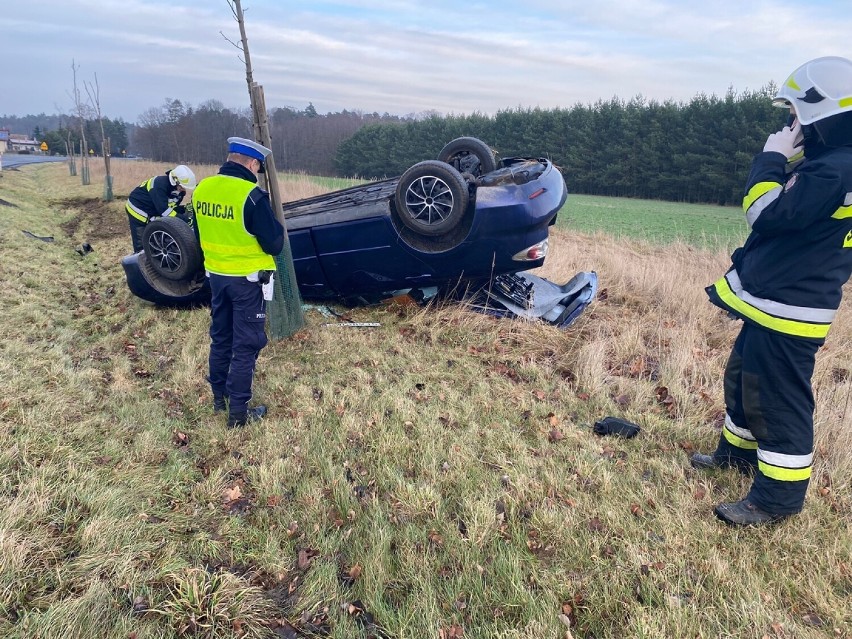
[695,151]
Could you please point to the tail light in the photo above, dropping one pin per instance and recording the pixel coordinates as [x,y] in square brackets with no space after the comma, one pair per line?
[533,253]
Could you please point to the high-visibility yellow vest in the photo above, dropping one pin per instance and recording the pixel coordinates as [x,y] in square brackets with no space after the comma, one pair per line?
[229,249]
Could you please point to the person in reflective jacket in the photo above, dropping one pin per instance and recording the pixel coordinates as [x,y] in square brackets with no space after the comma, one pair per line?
[159,196]
[239,236]
[786,284]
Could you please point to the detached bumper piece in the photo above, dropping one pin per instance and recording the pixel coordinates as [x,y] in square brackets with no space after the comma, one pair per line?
[531,297]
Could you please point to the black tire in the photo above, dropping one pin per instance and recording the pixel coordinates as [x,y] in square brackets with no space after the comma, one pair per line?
[469,155]
[431,198]
[172,248]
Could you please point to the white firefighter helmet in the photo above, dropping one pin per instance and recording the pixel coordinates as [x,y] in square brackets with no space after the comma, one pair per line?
[183,176]
[818,89]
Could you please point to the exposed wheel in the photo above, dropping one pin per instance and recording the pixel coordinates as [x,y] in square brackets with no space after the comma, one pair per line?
[431,198]
[172,248]
[469,155]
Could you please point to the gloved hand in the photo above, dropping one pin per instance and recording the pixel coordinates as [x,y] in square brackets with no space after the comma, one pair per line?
[183,215]
[788,141]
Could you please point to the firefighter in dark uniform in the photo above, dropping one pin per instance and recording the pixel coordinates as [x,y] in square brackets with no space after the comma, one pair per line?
[160,196]
[785,284]
[239,236]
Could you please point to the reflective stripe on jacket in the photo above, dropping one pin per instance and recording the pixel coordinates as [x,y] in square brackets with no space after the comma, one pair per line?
[789,275]
[229,249]
[154,197]
[799,321]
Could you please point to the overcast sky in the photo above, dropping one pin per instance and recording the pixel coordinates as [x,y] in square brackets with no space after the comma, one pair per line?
[404,56]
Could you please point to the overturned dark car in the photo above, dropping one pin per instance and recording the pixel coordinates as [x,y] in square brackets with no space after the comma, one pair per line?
[462,222]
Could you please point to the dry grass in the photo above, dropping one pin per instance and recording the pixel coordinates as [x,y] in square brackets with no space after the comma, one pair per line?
[435,476]
[127,174]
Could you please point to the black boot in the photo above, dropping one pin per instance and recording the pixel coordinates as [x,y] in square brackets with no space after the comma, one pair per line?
[238,420]
[705,462]
[745,513]
[219,403]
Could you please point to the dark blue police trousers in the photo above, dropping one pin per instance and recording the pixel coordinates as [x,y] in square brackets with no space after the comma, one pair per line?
[237,335]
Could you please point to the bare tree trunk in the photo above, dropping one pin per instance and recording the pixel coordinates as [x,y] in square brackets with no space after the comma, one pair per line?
[238,14]
[84,164]
[261,123]
[94,93]
[81,115]
[69,151]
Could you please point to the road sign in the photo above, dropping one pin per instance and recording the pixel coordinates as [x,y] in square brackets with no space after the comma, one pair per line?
[43,146]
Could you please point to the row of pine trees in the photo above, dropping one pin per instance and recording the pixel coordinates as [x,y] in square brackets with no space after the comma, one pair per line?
[699,151]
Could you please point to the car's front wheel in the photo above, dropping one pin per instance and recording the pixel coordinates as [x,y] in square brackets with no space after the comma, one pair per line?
[172,248]
[431,198]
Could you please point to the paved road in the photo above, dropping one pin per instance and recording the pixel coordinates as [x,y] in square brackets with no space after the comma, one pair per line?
[10,160]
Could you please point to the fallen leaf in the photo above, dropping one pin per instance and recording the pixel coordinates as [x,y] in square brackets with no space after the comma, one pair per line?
[595,525]
[285,630]
[305,557]
[435,538]
[140,604]
[813,619]
[453,632]
[232,494]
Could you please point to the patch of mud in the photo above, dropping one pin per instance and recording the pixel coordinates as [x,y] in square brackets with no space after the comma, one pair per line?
[100,220]
[5,203]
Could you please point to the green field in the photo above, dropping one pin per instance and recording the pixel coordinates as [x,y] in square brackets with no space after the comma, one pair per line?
[655,221]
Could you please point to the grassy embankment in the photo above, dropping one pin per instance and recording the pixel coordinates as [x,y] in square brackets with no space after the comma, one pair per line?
[434,477]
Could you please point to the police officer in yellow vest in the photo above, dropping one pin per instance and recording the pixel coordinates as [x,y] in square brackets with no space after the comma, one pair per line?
[786,284]
[239,237]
